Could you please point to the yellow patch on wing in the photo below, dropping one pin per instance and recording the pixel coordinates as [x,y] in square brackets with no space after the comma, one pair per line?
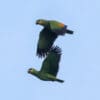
[61,25]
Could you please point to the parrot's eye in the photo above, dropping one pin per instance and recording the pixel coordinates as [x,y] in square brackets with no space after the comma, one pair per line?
[38,20]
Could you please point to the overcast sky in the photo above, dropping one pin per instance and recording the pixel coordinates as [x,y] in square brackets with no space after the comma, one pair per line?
[80,62]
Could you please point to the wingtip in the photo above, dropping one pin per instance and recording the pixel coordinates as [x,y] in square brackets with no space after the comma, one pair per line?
[41,53]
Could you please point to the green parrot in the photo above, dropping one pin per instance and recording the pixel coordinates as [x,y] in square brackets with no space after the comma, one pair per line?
[50,66]
[52,29]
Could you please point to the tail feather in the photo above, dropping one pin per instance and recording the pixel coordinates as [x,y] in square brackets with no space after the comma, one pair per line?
[59,80]
[69,31]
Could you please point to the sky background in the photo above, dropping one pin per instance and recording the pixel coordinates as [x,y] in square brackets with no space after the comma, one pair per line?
[80,63]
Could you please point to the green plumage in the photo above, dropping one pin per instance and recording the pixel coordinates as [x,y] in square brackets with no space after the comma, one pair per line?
[55,25]
[48,35]
[51,62]
[50,66]
[45,42]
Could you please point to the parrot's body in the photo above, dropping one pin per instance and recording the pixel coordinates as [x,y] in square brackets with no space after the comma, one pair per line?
[59,28]
[52,29]
[50,66]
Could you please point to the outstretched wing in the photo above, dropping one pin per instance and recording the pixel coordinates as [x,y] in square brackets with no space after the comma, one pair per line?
[51,63]
[45,42]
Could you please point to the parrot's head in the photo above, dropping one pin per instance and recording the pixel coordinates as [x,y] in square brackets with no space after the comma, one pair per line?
[29,70]
[32,71]
[42,22]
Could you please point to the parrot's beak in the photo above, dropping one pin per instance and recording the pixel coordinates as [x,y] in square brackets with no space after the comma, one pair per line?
[37,23]
[28,71]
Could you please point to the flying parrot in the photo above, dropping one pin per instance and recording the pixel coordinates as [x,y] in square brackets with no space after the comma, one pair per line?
[52,29]
[50,66]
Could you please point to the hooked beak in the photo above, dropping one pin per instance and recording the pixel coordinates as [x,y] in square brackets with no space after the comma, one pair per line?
[37,23]
[28,71]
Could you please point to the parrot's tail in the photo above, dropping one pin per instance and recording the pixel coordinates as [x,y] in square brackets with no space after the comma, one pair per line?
[61,81]
[69,31]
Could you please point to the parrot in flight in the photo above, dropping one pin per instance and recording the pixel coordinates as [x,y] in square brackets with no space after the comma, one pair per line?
[50,66]
[52,29]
